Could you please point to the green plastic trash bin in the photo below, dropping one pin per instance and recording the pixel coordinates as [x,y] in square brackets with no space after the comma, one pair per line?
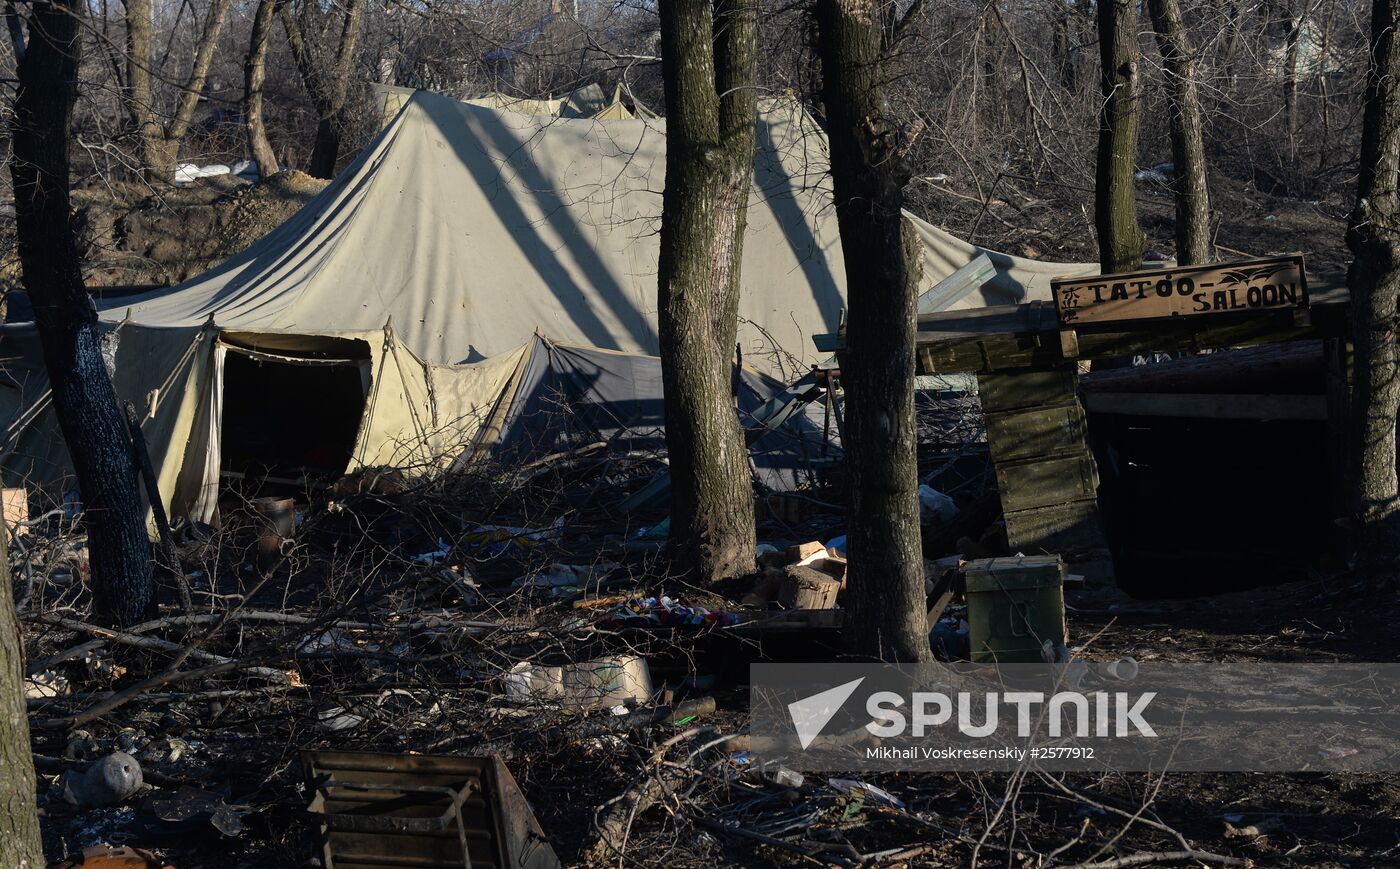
[1013,606]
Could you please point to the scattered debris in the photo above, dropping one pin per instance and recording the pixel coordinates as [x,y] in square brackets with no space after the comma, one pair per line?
[192,811]
[604,683]
[808,588]
[110,780]
[851,786]
[111,857]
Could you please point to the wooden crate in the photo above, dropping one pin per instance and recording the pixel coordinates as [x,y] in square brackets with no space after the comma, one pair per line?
[1009,390]
[1047,481]
[1064,528]
[1035,431]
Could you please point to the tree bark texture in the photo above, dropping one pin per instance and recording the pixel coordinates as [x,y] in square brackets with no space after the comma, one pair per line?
[709,65]
[254,76]
[1061,43]
[1373,235]
[20,845]
[15,26]
[83,398]
[160,143]
[1188,148]
[885,612]
[1293,24]
[326,75]
[1115,209]
[325,149]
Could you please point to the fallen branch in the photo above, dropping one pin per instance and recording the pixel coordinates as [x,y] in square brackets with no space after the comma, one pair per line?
[39,666]
[152,643]
[1144,858]
[612,828]
[803,850]
[282,646]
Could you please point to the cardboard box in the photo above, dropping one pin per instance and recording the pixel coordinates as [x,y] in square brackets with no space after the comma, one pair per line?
[600,684]
[16,509]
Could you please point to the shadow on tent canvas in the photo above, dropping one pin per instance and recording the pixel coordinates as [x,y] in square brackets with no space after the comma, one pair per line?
[780,191]
[557,215]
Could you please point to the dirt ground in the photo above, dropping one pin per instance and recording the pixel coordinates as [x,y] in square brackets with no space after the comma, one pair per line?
[410,665]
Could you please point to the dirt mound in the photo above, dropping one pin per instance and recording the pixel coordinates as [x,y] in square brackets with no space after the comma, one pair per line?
[133,234]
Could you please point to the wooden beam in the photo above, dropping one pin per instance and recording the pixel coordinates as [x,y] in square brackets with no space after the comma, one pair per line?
[1209,406]
[1004,344]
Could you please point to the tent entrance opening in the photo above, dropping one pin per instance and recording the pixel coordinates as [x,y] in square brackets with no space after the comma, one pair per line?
[289,419]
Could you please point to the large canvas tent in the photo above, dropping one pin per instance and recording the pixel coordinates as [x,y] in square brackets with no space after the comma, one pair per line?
[397,305]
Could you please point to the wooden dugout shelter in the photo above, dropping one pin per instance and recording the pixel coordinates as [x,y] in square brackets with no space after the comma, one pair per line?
[1028,360]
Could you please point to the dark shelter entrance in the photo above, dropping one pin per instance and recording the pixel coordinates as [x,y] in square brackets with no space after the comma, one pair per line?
[1185,524]
[1203,474]
[288,420]
[1213,471]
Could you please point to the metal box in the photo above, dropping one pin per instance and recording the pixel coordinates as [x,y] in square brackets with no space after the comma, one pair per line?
[1014,605]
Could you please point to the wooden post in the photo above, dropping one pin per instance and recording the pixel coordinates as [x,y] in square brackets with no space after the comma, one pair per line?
[1045,472]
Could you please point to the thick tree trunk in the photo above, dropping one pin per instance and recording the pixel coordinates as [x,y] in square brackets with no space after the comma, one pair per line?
[709,64]
[20,845]
[254,75]
[160,144]
[83,396]
[1373,234]
[1115,208]
[326,149]
[1188,149]
[328,84]
[138,96]
[885,615]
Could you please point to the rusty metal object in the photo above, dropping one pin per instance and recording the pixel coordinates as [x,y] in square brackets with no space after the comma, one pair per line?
[388,811]
[113,857]
[276,521]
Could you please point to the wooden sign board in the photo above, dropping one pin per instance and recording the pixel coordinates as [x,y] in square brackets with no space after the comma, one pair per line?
[1272,283]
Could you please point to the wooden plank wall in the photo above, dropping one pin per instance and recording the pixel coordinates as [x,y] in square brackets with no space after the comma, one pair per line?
[1044,470]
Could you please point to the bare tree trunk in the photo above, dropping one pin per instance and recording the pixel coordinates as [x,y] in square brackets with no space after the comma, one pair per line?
[325,150]
[20,845]
[83,397]
[199,72]
[16,28]
[1115,208]
[1373,234]
[1228,51]
[254,74]
[1062,40]
[328,84]
[160,143]
[138,96]
[709,63]
[1297,19]
[885,615]
[1188,148]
